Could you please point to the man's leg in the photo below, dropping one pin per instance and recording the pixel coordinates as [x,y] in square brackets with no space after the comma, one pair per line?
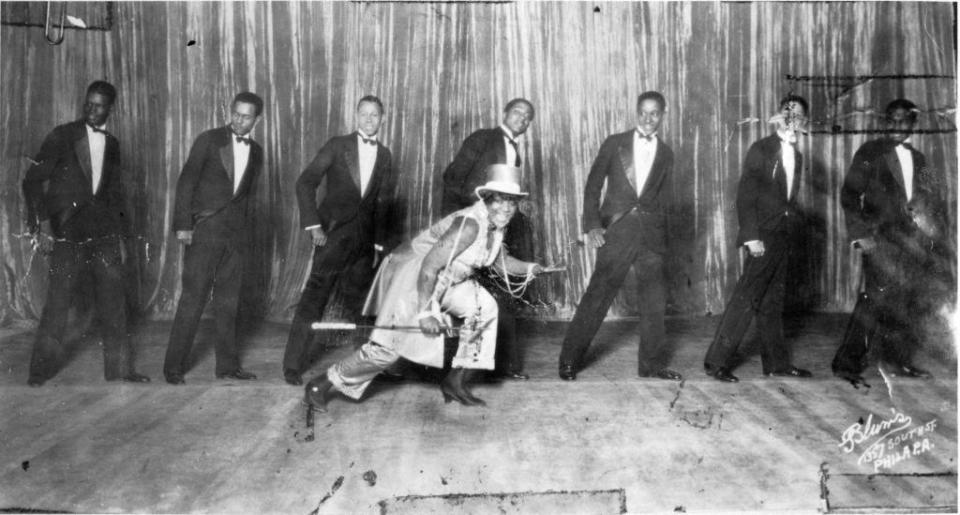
[613,262]
[105,263]
[653,353]
[324,270]
[775,355]
[740,310]
[48,348]
[199,268]
[226,297]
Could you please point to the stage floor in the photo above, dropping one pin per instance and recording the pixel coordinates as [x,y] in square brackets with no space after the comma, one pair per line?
[610,442]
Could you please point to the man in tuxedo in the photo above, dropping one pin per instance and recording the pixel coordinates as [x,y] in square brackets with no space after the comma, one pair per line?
[211,220]
[770,221]
[76,210]
[629,228]
[349,226]
[467,171]
[895,213]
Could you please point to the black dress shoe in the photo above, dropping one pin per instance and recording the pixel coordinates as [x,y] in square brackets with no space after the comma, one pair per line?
[292,377]
[134,377]
[174,379]
[390,377]
[238,374]
[664,373]
[515,376]
[724,374]
[568,373]
[315,393]
[911,371]
[853,378]
[36,381]
[791,372]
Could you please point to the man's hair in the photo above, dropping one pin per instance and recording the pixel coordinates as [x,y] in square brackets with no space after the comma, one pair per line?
[513,103]
[652,95]
[373,99]
[794,98]
[249,98]
[902,103]
[104,88]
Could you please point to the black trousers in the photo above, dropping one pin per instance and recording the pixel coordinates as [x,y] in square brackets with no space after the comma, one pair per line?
[342,262]
[622,250]
[900,289]
[759,293]
[209,265]
[101,259]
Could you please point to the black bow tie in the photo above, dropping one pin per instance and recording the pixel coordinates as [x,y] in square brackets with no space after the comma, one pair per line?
[368,141]
[241,139]
[97,129]
[646,137]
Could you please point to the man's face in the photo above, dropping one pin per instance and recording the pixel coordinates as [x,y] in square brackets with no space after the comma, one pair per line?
[518,118]
[649,116]
[902,121]
[794,116]
[243,118]
[369,118]
[96,109]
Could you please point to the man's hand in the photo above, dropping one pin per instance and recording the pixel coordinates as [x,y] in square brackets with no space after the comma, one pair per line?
[595,238]
[319,237]
[185,237]
[430,325]
[755,247]
[867,245]
[43,239]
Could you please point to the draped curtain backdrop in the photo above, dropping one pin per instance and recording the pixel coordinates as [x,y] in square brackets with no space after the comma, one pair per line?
[445,70]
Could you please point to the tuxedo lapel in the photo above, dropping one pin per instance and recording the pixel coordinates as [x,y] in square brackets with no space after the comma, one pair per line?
[500,147]
[82,149]
[625,153]
[351,155]
[226,158]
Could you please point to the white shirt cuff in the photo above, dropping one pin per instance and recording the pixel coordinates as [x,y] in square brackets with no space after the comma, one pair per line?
[312,227]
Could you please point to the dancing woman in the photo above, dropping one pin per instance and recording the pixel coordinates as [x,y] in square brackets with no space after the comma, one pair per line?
[426,282]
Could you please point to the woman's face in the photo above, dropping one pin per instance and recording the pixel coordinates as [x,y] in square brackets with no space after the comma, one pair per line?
[501,209]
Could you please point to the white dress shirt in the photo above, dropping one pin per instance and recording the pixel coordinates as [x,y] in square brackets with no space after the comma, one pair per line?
[906,167]
[241,156]
[789,160]
[644,150]
[511,151]
[98,142]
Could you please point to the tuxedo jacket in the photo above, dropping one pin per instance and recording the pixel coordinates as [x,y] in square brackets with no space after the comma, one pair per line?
[763,209]
[614,166]
[336,167]
[874,197]
[205,201]
[59,187]
[468,169]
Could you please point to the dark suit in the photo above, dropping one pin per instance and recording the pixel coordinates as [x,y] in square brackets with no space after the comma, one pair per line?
[207,205]
[765,214]
[353,222]
[636,233]
[908,272]
[467,171]
[88,227]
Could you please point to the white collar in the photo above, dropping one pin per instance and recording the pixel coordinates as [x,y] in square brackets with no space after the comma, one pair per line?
[364,136]
[789,137]
[507,133]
